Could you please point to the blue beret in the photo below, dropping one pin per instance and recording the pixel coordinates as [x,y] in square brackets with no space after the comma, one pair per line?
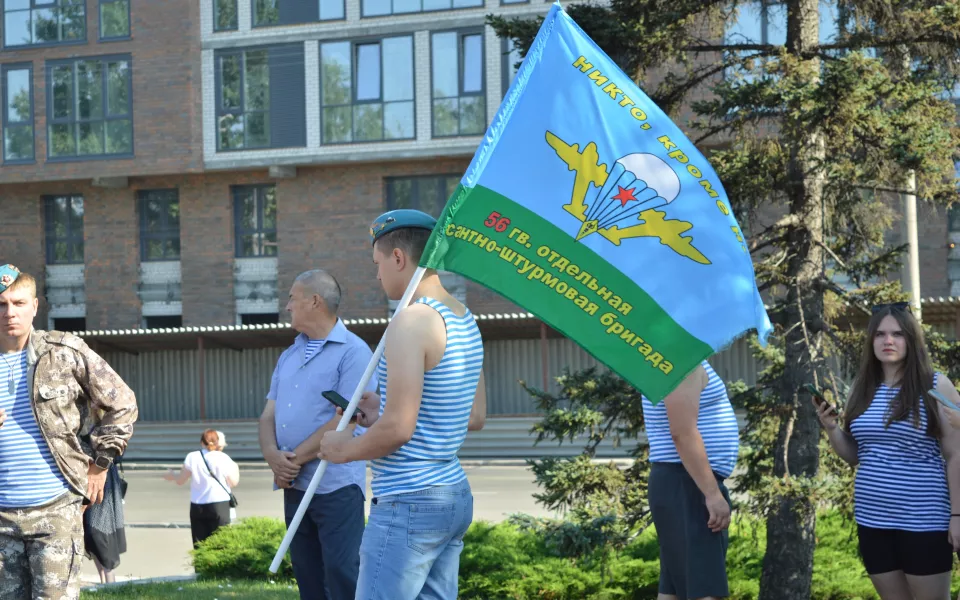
[8,274]
[398,219]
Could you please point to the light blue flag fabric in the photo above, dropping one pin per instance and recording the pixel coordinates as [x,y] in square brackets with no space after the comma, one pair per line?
[588,206]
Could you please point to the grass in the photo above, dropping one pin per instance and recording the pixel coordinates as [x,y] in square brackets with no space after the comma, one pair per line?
[499,562]
[197,590]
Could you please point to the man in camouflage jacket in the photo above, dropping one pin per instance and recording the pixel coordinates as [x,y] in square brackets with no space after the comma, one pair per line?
[50,384]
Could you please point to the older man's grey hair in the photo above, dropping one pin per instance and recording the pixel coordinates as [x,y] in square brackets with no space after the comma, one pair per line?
[323,284]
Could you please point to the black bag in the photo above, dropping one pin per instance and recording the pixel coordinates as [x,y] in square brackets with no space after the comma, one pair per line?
[123,479]
[233,499]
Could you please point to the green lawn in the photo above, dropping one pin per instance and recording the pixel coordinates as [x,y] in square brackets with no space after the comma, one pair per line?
[198,590]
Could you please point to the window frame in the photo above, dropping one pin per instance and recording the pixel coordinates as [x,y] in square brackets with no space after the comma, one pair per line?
[255,25]
[219,111]
[462,33]
[355,43]
[166,230]
[104,60]
[236,26]
[390,201]
[114,38]
[239,232]
[4,69]
[394,13]
[34,6]
[71,236]
[506,65]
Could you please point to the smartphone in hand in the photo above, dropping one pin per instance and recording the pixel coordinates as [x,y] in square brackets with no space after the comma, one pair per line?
[336,399]
[942,399]
[818,397]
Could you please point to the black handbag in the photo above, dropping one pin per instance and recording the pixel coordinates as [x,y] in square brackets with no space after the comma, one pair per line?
[233,499]
[122,477]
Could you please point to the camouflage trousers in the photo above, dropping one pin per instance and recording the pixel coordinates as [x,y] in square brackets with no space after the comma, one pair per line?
[41,548]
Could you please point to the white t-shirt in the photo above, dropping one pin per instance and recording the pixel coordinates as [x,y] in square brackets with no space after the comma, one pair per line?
[203,488]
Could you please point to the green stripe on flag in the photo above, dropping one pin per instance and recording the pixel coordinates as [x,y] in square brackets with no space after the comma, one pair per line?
[508,248]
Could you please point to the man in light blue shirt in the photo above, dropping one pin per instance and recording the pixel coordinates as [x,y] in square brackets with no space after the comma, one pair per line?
[325,356]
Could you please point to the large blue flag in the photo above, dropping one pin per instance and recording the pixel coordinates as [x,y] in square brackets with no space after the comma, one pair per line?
[587,206]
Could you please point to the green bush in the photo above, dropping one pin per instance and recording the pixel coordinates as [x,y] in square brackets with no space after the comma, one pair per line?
[501,563]
[243,551]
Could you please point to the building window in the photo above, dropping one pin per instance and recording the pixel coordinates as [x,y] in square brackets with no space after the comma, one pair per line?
[89,108]
[376,8]
[114,19]
[225,15]
[426,193]
[163,322]
[293,12]
[509,65]
[64,229]
[259,318]
[367,90]
[35,22]
[70,324]
[18,113]
[159,225]
[243,107]
[459,107]
[255,220]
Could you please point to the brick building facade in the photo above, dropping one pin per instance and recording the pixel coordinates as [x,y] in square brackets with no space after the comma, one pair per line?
[184,170]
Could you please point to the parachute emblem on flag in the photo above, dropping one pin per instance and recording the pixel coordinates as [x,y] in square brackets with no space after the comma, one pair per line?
[636,186]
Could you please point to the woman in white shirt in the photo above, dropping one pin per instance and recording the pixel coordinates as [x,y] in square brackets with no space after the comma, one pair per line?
[212,475]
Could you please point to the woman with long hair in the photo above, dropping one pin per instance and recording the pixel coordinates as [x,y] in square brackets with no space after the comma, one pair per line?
[907,514]
[212,475]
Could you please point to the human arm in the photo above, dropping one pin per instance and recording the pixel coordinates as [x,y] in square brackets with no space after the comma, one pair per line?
[110,397]
[178,478]
[950,447]
[231,471]
[409,337]
[281,463]
[478,414]
[683,408]
[841,441]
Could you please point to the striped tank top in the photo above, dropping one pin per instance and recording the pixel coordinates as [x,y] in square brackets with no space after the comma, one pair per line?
[29,475]
[430,457]
[716,422]
[901,482]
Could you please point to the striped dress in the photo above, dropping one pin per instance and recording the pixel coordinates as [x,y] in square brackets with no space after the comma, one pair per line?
[716,423]
[901,482]
[29,476]
[430,457]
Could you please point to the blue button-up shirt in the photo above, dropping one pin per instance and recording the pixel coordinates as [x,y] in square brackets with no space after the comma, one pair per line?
[301,409]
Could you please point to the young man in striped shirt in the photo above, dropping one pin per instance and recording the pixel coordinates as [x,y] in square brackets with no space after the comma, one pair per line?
[431,394]
[694,441]
[50,384]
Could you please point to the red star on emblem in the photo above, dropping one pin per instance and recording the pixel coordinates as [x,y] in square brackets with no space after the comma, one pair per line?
[624,196]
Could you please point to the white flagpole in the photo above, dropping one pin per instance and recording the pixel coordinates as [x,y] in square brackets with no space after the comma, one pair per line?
[344,421]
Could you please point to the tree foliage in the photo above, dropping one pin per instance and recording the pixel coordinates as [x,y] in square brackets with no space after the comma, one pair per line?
[815,140]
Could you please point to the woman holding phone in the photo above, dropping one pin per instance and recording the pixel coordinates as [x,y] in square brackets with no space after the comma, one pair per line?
[907,486]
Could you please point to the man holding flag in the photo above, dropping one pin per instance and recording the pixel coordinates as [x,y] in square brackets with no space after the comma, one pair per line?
[431,393]
[586,205]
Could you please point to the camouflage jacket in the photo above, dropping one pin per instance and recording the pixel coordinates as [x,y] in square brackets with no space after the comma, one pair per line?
[69,384]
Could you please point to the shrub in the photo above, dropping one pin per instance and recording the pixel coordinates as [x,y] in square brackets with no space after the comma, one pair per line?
[501,562]
[243,551]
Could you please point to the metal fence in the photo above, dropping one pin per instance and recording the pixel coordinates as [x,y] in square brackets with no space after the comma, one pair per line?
[167,383]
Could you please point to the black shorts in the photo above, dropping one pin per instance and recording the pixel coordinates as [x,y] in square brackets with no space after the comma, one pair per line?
[693,559]
[913,552]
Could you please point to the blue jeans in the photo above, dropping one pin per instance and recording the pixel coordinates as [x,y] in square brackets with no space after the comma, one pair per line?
[412,543]
[324,550]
